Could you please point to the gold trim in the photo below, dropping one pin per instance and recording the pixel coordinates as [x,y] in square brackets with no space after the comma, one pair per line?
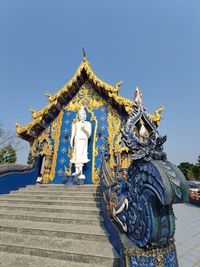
[111,91]
[114,123]
[157,253]
[95,172]
[157,117]
[56,131]
[86,97]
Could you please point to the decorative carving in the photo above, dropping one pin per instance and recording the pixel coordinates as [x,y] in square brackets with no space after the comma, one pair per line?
[56,129]
[157,117]
[34,113]
[19,128]
[118,85]
[50,97]
[114,122]
[95,173]
[151,257]
[152,186]
[86,97]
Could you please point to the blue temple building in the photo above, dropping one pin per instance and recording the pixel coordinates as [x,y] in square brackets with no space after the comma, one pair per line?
[129,185]
[49,132]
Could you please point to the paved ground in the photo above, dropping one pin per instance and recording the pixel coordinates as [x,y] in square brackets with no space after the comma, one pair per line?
[187,237]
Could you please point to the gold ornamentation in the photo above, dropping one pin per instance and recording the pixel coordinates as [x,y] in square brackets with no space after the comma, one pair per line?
[95,172]
[86,97]
[56,130]
[157,253]
[157,117]
[96,178]
[68,171]
[34,113]
[46,152]
[50,97]
[19,128]
[102,87]
[47,147]
[118,85]
[114,122]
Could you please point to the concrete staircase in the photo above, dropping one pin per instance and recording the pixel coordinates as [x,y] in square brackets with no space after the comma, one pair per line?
[54,225]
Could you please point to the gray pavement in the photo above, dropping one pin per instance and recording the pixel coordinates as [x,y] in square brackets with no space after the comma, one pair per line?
[187,236]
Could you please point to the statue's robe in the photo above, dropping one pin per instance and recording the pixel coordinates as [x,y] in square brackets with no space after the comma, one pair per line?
[81,132]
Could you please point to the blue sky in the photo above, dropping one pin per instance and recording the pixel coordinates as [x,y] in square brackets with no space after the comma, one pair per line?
[151,43]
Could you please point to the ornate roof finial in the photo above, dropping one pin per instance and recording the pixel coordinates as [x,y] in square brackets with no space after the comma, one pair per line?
[84,54]
[119,84]
[138,96]
[50,97]
[34,113]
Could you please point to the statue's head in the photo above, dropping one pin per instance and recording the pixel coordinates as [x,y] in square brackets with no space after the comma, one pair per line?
[82,114]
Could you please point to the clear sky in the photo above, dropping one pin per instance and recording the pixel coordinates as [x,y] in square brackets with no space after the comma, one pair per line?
[151,43]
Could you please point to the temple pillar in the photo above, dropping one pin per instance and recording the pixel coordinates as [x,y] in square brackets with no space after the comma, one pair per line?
[47,169]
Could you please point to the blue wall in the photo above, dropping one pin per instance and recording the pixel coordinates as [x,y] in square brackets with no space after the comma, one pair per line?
[64,144]
[15,180]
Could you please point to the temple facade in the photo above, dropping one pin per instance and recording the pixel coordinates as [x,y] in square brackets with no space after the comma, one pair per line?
[50,131]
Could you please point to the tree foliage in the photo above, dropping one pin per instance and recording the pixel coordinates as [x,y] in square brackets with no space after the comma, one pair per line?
[191,171]
[8,154]
[30,158]
[8,137]
[8,146]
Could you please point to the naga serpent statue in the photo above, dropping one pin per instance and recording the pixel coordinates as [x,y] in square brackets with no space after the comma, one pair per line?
[141,205]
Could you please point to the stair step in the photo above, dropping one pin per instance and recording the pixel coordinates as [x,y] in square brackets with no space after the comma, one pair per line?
[55,193]
[22,260]
[51,217]
[5,200]
[51,197]
[54,225]
[61,188]
[59,248]
[85,186]
[70,231]
[54,208]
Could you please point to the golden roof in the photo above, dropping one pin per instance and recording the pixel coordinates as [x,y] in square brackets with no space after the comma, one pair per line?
[56,102]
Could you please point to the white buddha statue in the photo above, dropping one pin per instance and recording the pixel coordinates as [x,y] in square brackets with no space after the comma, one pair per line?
[81,132]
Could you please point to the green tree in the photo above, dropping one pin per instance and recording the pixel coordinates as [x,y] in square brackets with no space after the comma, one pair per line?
[196,172]
[198,161]
[186,169]
[30,158]
[8,154]
[191,171]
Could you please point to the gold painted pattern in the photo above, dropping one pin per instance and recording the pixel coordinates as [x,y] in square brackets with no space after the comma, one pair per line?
[86,97]
[112,92]
[95,172]
[157,253]
[56,131]
[114,122]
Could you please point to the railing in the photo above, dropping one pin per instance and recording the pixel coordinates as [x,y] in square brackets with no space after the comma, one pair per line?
[14,176]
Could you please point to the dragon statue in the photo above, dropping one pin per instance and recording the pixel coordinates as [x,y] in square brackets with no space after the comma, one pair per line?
[141,206]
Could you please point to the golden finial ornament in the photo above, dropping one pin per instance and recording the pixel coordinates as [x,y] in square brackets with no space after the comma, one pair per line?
[34,113]
[19,129]
[118,85]
[17,125]
[50,97]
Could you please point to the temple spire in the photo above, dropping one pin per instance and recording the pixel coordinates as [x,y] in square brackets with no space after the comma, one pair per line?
[84,54]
